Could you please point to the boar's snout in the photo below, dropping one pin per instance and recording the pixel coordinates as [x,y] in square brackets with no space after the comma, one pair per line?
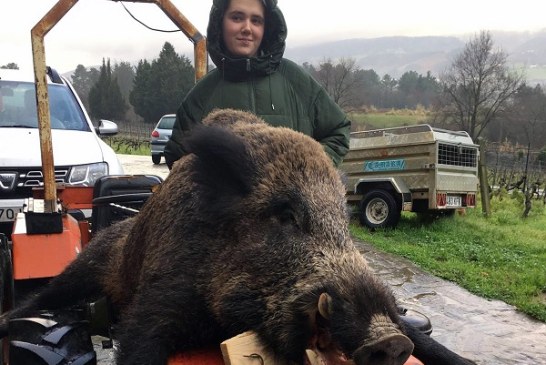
[385,344]
[393,349]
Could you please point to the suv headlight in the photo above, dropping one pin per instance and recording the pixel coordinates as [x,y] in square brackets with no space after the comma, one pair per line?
[87,174]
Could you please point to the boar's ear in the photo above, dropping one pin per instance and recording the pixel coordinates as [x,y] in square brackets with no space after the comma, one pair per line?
[325,305]
[223,166]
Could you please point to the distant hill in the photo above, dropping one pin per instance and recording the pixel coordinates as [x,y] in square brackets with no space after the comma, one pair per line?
[397,55]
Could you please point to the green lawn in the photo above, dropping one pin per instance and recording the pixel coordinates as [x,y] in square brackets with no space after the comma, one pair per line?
[501,257]
[393,118]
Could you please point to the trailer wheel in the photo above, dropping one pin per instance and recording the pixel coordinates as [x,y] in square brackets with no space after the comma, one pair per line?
[378,209]
[48,339]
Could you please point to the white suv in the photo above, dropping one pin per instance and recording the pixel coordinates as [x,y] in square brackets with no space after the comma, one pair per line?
[80,156]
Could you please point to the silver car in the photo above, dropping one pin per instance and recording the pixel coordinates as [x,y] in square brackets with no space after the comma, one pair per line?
[160,135]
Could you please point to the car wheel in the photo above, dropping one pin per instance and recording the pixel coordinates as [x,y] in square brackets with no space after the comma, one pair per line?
[378,209]
[50,338]
[156,159]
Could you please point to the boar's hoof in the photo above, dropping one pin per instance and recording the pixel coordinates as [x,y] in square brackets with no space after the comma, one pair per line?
[391,350]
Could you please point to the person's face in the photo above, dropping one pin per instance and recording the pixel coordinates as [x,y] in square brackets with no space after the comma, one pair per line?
[243,27]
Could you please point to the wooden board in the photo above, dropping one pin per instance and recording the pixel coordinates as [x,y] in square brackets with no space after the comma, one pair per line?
[243,349]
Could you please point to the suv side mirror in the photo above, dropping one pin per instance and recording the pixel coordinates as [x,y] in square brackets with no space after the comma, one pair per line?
[106,127]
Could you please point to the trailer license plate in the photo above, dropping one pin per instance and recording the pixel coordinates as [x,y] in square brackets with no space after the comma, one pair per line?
[9,214]
[454,201]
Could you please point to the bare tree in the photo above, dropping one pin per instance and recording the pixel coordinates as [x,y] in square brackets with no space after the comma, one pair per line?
[528,113]
[477,86]
[340,80]
[526,118]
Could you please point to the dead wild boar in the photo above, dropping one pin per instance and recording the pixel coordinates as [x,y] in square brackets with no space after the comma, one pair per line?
[248,232]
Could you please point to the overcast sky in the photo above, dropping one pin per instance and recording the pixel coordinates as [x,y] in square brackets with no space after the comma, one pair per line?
[94,29]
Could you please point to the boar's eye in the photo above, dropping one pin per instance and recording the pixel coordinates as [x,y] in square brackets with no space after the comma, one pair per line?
[287,216]
[284,212]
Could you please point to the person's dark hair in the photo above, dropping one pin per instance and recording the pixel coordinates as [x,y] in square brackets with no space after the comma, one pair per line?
[273,41]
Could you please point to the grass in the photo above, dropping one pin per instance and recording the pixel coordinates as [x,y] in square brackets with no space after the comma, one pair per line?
[501,257]
[387,119]
[128,146]
[534,72]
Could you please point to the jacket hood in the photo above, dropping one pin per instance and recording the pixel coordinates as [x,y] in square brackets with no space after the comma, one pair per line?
[271,50]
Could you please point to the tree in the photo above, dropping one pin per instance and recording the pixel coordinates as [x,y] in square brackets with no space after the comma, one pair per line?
[477,87]
[388,86]
[346,78]
[340,80]
[141,93]
[105,99]
[83,80]
[10,66]
[526,118]
[368,89]
[417,89]
[125,74]
[528,114]
[159,87]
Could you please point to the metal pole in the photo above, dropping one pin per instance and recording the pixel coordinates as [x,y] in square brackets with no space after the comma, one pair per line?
[198,40]
[38,33]
[42,99]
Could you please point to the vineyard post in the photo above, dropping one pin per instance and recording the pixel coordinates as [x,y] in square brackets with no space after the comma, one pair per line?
[484,185]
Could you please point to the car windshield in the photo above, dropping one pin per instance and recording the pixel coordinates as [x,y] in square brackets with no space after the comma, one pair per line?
[166,123]
[18,107]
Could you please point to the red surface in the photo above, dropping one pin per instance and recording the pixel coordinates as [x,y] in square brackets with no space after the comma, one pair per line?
[44,255]
[202,357]
[214,357]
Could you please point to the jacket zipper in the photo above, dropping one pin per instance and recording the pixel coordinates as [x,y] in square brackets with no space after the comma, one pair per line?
[251,98]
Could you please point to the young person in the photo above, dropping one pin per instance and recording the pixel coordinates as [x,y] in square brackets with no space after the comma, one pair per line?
[246,42]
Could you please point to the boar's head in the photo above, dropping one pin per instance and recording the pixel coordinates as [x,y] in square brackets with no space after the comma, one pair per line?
[286,266]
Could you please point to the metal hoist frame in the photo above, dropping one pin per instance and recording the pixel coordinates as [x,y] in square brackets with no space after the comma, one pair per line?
[38,32]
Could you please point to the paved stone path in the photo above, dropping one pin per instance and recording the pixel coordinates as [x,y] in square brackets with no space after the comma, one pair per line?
[487,331]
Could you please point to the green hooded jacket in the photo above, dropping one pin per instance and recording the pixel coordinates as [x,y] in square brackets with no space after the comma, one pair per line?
[270,86]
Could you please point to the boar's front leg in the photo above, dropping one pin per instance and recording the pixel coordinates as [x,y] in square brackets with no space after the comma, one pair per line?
[158,323]
[431,352]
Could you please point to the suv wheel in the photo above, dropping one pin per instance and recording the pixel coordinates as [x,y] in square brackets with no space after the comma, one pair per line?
[156,159]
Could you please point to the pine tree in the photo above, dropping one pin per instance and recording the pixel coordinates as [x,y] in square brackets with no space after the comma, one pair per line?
[105,99]
[159,87]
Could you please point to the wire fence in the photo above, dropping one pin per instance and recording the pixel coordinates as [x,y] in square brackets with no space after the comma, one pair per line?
[132,137]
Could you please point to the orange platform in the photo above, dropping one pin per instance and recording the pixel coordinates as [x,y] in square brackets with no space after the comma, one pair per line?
[44,255]
[214,357]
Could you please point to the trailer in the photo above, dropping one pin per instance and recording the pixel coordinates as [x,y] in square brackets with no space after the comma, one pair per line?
[416,168]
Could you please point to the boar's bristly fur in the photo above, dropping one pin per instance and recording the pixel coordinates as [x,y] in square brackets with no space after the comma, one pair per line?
[248,232]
